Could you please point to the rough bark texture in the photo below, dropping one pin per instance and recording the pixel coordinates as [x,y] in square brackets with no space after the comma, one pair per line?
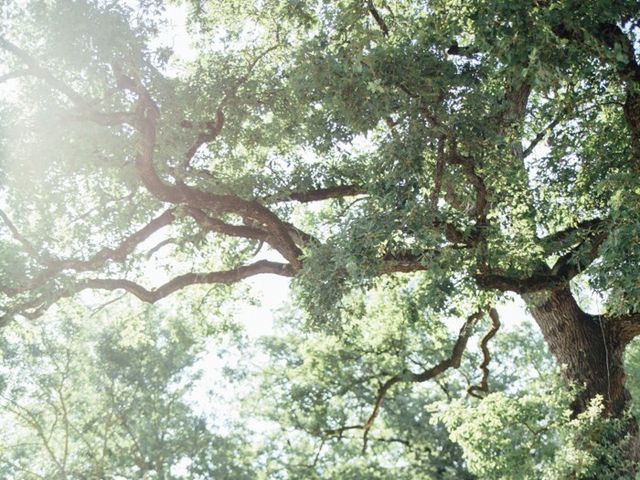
[587,347]
[591,350]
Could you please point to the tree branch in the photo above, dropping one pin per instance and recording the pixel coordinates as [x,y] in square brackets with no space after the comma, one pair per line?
[486,356]
[583,242]
[37,70]
[223,277]
[119,253]
[576,260]
[625,327]
[36,306]
[326,193]
[378,18]
[28,246]
[216,225]
[453,361]
[540,136]
[564,239]
[144,120]
[507,283]
[212,132]
[469,170]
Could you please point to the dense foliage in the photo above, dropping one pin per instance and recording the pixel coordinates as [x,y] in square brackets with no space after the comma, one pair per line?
[410,164]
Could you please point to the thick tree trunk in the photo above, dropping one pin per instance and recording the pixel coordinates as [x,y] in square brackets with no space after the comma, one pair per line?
[591,352]
[585,345]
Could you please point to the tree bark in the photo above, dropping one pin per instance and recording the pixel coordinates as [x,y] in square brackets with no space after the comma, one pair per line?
[585,345]
[590,349]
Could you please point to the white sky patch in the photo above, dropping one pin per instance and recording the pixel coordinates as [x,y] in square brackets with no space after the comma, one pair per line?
[175,35]
[273,292]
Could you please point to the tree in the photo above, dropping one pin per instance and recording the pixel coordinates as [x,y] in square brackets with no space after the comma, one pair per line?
[522,429]
[478,148]
[88,396]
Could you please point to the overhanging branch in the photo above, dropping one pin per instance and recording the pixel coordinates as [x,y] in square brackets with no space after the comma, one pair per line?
[319,194]
[453,361]
[225,277]
[119,253]
[36,306]
[483,388]
[378,18]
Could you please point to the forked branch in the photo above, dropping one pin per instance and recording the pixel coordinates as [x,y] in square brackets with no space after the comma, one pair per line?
[97,260]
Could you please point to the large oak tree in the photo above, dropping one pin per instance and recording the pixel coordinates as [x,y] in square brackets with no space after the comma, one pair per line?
[482,147]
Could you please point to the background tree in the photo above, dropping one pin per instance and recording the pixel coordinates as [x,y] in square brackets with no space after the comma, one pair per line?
[86,396]
[480,148]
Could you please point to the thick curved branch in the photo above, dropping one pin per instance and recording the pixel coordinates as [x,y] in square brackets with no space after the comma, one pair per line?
[180,193]
[338,191]
[225,277]
[34,307]
[146,116]
[483,387]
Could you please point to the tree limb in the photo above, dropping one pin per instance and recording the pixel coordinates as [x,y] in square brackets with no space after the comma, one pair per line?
[209,135]
[211,224]
[223,277]
[486,356]
[540,136]
[625,327]
[28,246]
[36,306]
[119,253]
[378,18]
[37,70]
[564,239]
[453,361]
[338,191]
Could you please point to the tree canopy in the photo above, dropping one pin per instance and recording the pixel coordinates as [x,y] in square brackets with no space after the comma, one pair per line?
[409,164]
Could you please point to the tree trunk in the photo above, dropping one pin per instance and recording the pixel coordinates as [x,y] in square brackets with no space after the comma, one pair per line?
[591,353]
